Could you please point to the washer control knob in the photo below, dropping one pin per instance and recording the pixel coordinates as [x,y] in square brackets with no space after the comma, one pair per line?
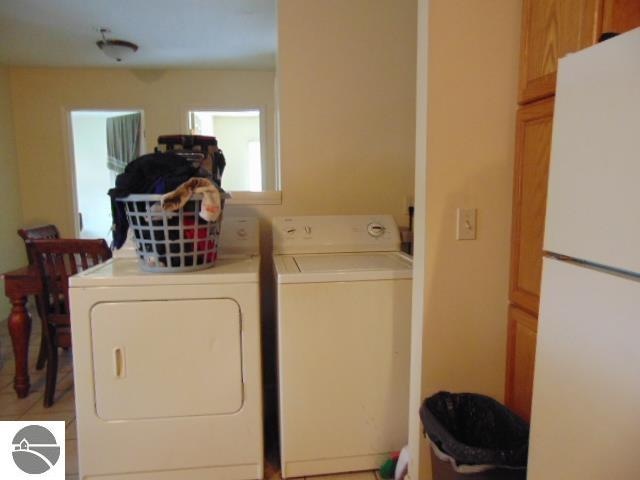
[291,231]
[241,232]
[307,229]
[376,229]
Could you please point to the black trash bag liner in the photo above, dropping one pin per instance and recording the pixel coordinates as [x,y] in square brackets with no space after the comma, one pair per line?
[475,430]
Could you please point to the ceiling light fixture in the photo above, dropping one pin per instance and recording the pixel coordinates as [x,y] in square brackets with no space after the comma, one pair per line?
[116,49]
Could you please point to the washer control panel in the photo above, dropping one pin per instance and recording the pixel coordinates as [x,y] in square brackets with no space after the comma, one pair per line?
[376,229]
[335,233]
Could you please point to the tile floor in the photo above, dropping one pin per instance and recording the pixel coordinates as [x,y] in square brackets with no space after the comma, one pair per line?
[30,408]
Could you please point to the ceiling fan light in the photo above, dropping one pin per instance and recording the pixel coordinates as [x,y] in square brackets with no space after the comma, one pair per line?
[117,49]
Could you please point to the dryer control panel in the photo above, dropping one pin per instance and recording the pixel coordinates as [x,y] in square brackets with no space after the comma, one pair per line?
[335,233]
[239,236]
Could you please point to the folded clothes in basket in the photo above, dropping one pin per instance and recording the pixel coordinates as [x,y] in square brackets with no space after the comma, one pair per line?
[211,206]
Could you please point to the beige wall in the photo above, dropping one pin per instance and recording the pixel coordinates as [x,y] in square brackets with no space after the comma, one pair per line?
[346,73]
[42,98]
[472,80]
[11,248]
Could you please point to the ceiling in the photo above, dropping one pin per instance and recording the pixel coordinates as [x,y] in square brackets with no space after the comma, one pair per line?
[221,34]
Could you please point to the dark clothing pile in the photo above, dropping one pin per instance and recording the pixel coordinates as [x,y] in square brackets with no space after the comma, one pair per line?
[185,156]
[154,173]
[198,145]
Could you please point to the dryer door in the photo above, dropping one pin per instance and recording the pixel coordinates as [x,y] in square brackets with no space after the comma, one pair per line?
[169,358]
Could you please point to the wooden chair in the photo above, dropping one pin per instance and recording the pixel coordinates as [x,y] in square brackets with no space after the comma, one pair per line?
[43,232]
[58,260]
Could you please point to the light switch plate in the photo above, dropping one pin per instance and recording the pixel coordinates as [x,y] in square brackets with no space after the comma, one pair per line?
[466,224]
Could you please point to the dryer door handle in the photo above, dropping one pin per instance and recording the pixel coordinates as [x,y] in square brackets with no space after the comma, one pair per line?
[119,364]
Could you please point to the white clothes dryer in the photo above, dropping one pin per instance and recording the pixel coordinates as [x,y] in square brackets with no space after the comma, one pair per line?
[344,314]
[167,367]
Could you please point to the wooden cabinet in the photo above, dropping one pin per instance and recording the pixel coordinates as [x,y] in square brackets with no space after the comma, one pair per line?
[521,354]
[531,170]
[550,30]
[620,15]
[553,28]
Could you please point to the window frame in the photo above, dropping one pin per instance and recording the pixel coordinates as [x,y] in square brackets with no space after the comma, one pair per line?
[241,197]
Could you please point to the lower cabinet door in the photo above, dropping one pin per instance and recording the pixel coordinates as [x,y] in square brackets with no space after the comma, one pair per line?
[521,355]
[534,123]
[174,358]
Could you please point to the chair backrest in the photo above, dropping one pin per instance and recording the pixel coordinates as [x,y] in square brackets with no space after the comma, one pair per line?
[57,260]
[43,232]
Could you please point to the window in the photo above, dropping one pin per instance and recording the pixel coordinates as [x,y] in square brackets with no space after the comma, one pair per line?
[240,135]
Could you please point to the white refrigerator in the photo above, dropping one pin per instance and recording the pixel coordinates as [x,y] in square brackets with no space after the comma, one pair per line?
[585,420]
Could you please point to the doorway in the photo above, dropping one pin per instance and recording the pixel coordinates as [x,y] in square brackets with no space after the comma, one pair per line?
[103,143]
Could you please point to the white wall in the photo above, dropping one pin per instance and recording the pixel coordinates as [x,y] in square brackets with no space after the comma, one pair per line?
[238,132]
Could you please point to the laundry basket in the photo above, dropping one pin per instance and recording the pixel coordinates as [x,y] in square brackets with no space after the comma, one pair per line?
[177,241]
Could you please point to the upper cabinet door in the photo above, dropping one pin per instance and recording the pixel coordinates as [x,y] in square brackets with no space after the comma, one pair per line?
[619,16]
[533,146]
[550,30]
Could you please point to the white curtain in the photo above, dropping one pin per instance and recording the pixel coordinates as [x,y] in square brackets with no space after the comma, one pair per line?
[123,140]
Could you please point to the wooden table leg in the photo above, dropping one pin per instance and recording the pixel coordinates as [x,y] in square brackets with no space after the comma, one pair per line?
[20,330]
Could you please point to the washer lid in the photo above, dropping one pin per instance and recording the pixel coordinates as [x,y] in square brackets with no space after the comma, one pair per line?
[350,262]
[342,267]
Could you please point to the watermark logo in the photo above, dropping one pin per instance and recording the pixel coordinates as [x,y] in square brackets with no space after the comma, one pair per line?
[32,450]
[35,449]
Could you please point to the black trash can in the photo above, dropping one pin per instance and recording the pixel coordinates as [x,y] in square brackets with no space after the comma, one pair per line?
[473,437]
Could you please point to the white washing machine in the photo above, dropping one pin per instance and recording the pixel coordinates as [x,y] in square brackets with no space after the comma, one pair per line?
[344,315]
[167,367]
